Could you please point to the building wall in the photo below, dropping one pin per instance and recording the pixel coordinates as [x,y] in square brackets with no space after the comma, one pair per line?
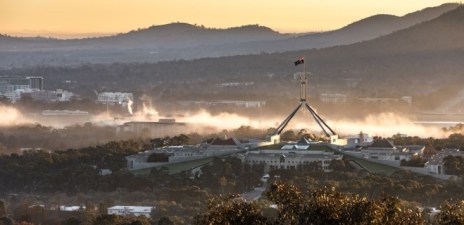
[114,98]
[289,159]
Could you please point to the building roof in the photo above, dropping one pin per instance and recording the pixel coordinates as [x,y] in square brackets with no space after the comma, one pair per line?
[382,143]
[219,141]
[71,208]
[321,146]
[293,155]
[133,209]
[437,159]
[414,147]
[305,141]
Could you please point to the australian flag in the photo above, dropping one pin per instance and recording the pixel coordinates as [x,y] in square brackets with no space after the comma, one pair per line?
[299,61]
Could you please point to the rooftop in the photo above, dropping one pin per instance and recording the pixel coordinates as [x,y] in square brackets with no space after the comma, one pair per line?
[321,146]
[133,209]
[382,143]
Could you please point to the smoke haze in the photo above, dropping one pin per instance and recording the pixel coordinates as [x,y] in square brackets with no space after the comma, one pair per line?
[383,124]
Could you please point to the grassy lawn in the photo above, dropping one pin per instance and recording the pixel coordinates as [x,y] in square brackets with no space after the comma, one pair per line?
[372,167]
[175,167]
[312,147]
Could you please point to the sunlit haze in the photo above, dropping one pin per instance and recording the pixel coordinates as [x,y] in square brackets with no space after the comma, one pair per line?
[384,124]
[75,18]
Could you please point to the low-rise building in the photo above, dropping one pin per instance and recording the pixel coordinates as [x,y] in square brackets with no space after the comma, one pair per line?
[415,149]
[405,99]
[358,140]
[71,208]
[235,103]
[384,149]
[113,98]
[333,98]
[174,154]
[292,155]
[162,128]
[121,210]
[435,165]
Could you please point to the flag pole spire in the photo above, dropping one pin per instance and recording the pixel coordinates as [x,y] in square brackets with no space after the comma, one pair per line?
[303,80]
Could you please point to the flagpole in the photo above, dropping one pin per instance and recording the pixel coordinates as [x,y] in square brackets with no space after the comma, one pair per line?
[304,77]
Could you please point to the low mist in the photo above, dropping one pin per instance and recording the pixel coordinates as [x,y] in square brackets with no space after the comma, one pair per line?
[382,124]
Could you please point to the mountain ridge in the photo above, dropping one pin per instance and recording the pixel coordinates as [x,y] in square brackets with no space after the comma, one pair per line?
[186,41]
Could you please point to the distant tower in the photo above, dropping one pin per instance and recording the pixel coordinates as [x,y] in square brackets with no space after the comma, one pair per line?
[36,82]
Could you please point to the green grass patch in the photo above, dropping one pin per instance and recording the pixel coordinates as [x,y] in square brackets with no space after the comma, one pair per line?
[312,147]
[372,167]
[175,167]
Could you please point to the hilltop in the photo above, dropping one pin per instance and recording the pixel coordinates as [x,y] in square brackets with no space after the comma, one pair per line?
[186,41]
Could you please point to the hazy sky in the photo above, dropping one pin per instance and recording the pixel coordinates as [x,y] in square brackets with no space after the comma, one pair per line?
[115,16]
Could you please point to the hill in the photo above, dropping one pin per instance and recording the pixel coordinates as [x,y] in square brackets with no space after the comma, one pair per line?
[185,41]
[365,29]
[413,61]
[169,36]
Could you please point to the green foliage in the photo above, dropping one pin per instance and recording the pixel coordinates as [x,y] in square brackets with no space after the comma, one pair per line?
[230,210]
[6,221]
[2,209]
[340,165]
[120,220]
[414,162]
[451,213]
[327,206]
[288,135]
[454,165]
[72,221]
[165,221]
[318,207]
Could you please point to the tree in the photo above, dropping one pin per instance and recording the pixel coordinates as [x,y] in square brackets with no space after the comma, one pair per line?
[223,183]
[165,221]
[72,221]
[327,206]
[2,209]
[416,161]
[451,213]
[230,210]
[454,165]
[6,221]
[288,136]
[107,220]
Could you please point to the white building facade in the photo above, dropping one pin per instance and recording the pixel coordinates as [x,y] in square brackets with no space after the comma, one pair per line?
[113,98]
[121,210]
[292,156]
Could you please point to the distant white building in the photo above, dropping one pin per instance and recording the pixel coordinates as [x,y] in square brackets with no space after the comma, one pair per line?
[71,208]
[64,113]
[358,140]
[174,154]
[436,165]
[114,98]
[333,98]
[415,149]
[404,99]
[236,84]
[121,210]
[238,103]
[292,155]
[164,127]
[13,87]
[385,150]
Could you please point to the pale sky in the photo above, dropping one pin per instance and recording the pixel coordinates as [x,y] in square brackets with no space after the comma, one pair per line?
[74,17]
